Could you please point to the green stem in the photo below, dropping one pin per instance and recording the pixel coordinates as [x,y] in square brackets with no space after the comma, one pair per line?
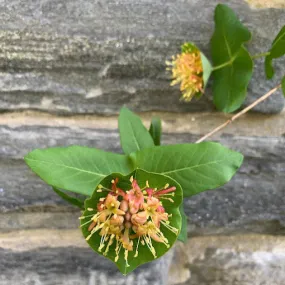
[222,65]
[260,55]
[232,60]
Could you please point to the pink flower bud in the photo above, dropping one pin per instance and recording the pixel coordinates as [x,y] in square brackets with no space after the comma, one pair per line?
[124,206]
[139,218]
[133,208]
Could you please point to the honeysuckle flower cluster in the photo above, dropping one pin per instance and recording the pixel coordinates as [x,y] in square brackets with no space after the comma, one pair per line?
[187,69]
[123,217]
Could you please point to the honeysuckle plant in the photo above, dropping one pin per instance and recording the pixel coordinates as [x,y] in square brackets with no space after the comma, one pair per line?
[232,63]
[133,211]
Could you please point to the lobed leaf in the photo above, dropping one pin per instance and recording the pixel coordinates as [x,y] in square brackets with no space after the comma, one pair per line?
[154,180]
[196,167]
[133,134]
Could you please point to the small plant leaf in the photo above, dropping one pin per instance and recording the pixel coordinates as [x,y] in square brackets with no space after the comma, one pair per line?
[230,83]
[99,222]
[196,167]
[207,69]
[226,46]
[133,134]
[71,200]
[155,130]
[283,85]
[229,35]
[183,233]
[277,50]
[268,67]
[76,168]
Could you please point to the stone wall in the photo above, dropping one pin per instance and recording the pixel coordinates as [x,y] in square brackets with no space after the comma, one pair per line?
[67,67]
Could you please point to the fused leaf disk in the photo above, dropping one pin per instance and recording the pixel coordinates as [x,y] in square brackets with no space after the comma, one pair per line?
[133,219]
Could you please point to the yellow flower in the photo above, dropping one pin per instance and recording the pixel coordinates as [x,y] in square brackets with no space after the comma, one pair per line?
[187,70]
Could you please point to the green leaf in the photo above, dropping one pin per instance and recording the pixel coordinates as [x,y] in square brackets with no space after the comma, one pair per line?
[183,233]
[133,134]
[76,168]
[144,254]
[207,69]
[155,130]
[71,200]
[196,167]
[232,61]
[277,50]
[268,67]
[230,83]
[283,85]
[229,35]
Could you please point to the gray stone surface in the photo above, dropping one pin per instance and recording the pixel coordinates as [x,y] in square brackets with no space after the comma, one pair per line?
[72,266]
[228,267]
[236,260]
[104,54]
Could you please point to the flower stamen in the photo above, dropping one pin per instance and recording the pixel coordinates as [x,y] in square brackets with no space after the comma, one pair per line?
[167,225]
[137,248]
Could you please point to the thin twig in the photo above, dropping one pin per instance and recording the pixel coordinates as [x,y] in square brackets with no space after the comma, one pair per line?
[264,97]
